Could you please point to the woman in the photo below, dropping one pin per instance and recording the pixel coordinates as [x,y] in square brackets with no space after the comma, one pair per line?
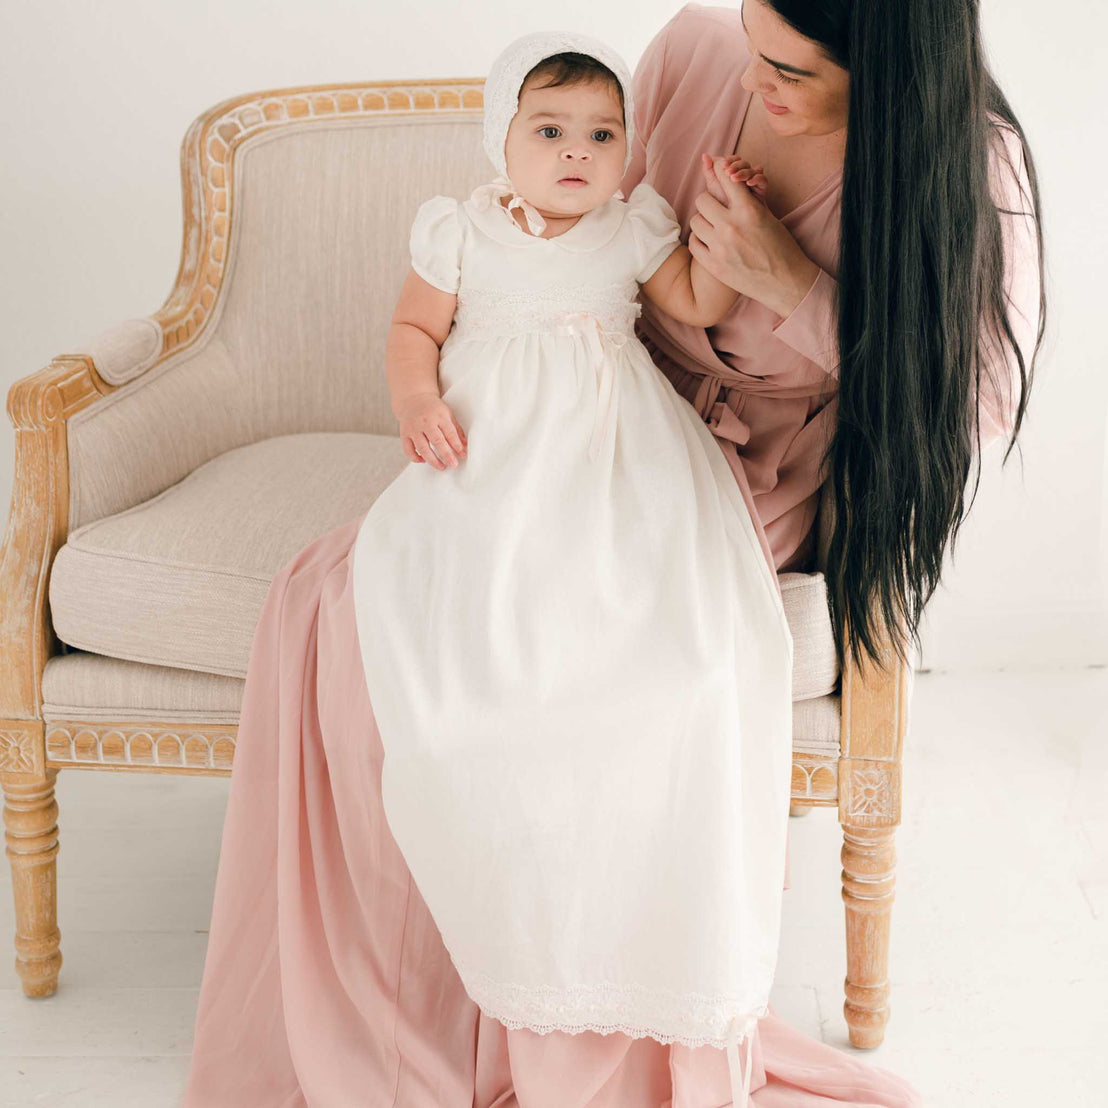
[326,982]
[868,93]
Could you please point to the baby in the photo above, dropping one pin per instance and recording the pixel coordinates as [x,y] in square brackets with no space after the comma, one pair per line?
[575,649]
[565,150]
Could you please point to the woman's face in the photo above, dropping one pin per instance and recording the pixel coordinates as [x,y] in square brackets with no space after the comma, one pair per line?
[566,131]
[816,100]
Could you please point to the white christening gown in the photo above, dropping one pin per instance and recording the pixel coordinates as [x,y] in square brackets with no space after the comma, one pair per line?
[577,654]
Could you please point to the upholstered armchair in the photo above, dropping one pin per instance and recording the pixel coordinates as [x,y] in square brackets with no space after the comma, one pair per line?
[167,471]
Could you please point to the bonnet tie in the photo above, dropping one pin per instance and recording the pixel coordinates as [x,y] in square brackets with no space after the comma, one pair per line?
[488,196]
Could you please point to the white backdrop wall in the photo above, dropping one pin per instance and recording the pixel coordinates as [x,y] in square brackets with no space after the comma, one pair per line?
[100,95]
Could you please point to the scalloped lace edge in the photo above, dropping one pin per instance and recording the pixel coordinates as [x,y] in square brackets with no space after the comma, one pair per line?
[544,1009]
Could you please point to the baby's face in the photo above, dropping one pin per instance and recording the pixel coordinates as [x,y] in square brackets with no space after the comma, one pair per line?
[566,131]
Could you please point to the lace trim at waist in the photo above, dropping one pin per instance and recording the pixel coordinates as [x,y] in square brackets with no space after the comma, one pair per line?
[499,312]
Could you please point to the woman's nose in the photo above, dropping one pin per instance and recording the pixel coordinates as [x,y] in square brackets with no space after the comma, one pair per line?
[749,79]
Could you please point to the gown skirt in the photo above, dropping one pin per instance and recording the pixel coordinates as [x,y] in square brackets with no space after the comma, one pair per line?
[326,983]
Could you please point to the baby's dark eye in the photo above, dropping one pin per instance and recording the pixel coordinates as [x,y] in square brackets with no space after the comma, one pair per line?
[548,127]
[608,133]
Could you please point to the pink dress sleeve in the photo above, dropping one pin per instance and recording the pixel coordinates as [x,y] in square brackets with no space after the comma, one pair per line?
[812,327]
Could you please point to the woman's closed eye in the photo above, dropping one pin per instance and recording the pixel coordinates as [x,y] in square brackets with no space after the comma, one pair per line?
[599,131]
[780,76]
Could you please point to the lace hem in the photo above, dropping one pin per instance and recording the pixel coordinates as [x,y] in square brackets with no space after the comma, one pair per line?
[692,1019]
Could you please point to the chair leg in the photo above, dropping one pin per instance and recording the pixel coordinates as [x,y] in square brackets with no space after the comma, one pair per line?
[868,877]
[31,823]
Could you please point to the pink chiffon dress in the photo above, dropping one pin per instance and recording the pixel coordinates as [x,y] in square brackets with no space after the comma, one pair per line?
[326,982]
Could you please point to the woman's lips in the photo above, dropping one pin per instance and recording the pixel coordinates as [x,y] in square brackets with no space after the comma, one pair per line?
[776,109]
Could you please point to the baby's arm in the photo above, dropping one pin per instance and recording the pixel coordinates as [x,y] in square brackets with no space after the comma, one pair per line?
[685,290]
[681,286]
[420,324]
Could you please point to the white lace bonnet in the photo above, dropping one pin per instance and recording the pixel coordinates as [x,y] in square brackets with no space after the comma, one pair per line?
[501,96]
[517,59]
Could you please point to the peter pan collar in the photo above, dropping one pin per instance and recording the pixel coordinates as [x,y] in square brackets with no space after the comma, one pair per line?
[595,228]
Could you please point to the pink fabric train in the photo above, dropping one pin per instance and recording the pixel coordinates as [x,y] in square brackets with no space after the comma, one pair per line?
[326,983]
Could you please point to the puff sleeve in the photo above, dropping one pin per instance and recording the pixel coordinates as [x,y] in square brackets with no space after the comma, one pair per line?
[435,243]
[654,229]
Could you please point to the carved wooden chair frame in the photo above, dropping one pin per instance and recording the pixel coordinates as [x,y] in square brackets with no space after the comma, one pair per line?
[864,782]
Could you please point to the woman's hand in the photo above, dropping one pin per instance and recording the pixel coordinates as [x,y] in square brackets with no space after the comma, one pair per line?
[741,243]
[429,432]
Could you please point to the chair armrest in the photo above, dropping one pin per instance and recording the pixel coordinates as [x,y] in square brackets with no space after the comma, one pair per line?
[127,350]
[143,459]
[38,407]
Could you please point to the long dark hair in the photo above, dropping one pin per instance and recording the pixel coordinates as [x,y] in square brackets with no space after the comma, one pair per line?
[921,271]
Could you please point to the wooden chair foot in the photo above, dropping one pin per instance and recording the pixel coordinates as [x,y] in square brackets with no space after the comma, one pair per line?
[868,879]
[31,835]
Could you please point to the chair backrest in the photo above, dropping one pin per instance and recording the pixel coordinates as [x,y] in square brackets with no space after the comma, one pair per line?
[298,205]
[318,250]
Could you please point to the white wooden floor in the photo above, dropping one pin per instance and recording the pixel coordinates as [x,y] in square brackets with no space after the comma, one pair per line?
[999,969]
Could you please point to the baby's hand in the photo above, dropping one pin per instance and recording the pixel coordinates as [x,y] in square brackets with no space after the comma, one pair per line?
[429,432]
[739,169]
[752,176]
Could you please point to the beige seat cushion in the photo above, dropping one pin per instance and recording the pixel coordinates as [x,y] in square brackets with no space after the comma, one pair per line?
[95,688]
[179,580]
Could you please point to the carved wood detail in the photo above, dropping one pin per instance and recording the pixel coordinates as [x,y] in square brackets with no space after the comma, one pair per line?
[815,778]
[210,748]
[870,792]
[207,749]
[21,747]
